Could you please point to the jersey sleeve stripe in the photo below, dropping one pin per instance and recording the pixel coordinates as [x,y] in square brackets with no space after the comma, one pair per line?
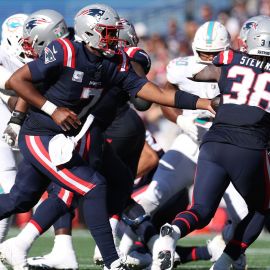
[226,57]
[66,196]
[131,51]
[123,66]
[64,49]
[69,52]
[221,57]
[72,56]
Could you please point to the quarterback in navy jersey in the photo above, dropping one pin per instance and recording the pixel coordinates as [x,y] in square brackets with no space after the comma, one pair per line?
[74,75]
[234,149]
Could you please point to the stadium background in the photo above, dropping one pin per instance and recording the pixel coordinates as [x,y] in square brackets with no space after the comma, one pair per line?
[166,29]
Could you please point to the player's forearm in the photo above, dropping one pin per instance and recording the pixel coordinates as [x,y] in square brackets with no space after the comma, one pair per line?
[21,105]
[177,99]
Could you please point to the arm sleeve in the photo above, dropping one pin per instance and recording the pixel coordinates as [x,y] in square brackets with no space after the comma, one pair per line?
[50,62]
[127,78]
[184,100]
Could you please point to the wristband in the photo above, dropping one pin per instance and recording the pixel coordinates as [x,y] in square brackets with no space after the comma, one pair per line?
[184,100]
[48,107]
[17,118]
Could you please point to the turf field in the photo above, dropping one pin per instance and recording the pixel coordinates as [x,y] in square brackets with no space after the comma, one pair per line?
[258,254]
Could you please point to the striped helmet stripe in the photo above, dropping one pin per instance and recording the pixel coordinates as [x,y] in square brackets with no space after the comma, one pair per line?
[210,29]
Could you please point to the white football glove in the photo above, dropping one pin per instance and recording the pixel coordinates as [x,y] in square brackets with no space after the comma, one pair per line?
[187,124]
[10,135]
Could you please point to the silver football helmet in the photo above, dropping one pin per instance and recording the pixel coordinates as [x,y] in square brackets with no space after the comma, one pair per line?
[211,37]
[41,28]
[258,38]
[98,26]
[12,33]
[249,24]
[128,34]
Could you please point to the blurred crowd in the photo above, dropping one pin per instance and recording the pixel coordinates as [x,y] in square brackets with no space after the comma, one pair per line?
[178,42]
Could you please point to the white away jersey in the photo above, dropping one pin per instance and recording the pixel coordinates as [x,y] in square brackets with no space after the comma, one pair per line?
[182,68]
[9,61]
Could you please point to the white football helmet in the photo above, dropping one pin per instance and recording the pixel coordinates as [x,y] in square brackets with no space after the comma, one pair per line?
[41,28]
[12,33]
[128,33]
[258,38]
[250,23]
[98,26]
[213,37]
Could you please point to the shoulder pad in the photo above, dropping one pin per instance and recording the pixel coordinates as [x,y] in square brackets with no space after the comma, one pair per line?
[140,56]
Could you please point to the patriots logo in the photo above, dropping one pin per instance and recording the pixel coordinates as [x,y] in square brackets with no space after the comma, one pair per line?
[250,25]
[33,23]
[49,56]
[95,12]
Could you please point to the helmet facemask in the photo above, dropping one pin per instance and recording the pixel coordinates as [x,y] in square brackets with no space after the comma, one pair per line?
[109,39]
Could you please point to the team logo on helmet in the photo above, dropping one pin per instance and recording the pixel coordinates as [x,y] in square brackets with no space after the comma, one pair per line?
[14,23]
[95,12]
[33,23]
[250,25]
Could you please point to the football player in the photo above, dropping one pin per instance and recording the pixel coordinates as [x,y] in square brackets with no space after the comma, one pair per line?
[12,57]
[65,66]
[177,166]
[240,131]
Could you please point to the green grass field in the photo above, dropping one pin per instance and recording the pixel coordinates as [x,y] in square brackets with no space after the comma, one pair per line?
[258,254]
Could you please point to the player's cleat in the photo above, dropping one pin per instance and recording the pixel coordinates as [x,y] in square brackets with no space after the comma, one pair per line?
[240,263]
[60,260]
[215,247]
[13,254]
[97,258]
[134,260]
[164,248]
[224,262]
[118,265]
[137,260]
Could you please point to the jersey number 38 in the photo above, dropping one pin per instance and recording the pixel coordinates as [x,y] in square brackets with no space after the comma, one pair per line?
[252,90]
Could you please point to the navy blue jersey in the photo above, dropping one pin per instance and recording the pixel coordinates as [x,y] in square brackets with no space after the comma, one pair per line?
[243,118]
[73,77]
[116,100]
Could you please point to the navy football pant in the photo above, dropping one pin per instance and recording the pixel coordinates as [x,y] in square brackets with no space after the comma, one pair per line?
[218,164]
[76,176]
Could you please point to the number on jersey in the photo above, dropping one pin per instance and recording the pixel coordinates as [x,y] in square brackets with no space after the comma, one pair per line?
[252,90]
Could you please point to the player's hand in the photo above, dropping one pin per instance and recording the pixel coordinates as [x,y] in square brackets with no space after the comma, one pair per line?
[187,124]
[13,128]
[10,135]
[65,118]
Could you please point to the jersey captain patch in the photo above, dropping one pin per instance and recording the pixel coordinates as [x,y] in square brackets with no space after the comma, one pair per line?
[49,57]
